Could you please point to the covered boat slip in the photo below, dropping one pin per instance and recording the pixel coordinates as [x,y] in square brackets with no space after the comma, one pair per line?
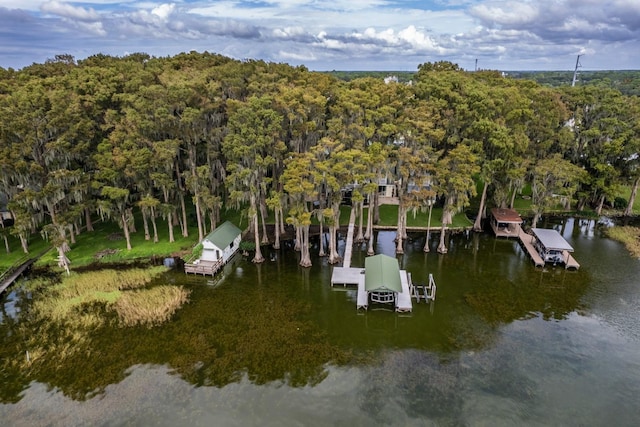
[553,248]
[505,222]
[381,281]
[548,246]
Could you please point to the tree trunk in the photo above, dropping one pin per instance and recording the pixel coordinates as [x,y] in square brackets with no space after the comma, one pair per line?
[265,235]
[632,198]
[72,235]
[600,204]
[370,250]
[321,252]
[282,230]
[276,229]
[442,247]
[155,226]
[369,230]
[24,243]
[360,236]
[513,199]
[477,225]
[426,242]
[125,227]
[183,206]
[87,219]
[534,222]
[376,209]
[183,222]
[63,261]
[334,257]
[399,232]
[145,225]
[258,258]
[305,258]
[131,225]
[297,246]
[6,243]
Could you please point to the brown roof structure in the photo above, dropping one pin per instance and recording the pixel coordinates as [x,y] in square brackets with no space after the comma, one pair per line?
[507,216]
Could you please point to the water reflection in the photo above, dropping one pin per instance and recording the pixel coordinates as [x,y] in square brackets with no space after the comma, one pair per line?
[277,334]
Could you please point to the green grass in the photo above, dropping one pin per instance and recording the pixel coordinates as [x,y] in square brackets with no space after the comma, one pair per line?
[625,192]
[628,235]
[17,256]
[389,218]
[108,236]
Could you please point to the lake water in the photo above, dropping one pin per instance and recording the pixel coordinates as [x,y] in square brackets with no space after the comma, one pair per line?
[275,345]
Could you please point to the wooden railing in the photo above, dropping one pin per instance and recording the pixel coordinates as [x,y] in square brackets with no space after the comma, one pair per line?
[207,268]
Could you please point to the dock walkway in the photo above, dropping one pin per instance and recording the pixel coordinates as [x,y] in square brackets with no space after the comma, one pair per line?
[403,299]
[527,241]
[569,261]
[12,275]
[348,246]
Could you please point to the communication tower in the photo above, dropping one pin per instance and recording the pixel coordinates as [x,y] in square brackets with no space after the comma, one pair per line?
[575,72]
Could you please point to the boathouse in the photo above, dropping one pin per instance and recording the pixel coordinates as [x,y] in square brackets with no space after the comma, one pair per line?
[217,248]
[221,243]
[382,278]
[553,248]
[380,281]
[505,222]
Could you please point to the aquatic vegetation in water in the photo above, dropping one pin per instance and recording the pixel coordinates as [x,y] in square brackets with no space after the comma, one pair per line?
[628,235]
[150,306]
[81,298]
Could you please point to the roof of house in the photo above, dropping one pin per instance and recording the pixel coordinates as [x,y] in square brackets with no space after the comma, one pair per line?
[508,216]
[223,235]
[551,239]
[382,274]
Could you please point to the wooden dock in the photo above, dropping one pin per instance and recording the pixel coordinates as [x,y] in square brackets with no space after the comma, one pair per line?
[527,242]
[569,261]
[403,299]
[12,274]
[363,295]
[206,268]
[347,276]
[348,246]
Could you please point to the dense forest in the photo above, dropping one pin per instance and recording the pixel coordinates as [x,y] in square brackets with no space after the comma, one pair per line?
[626,81]
[183,137]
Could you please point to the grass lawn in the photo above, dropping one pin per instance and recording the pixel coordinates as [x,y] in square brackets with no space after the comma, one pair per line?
[108,236]
[389,218]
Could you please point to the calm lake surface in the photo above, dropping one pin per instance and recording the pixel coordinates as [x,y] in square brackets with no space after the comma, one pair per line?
[275,345]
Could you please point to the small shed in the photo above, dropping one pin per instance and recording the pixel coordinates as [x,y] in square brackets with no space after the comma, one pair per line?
[221,243]
[505,222]
[382,278]
[550,245]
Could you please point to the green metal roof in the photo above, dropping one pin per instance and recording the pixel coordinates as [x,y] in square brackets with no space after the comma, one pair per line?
[382,274]
[223,235]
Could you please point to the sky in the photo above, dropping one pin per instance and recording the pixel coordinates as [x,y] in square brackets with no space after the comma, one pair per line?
[382,35]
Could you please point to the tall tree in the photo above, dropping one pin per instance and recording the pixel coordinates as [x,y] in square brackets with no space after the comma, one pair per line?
[454,177]
[250,148]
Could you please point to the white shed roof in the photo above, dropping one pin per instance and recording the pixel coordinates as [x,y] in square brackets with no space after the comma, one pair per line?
[551,239]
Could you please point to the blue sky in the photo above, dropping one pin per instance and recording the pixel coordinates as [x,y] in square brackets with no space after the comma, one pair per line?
[333,35]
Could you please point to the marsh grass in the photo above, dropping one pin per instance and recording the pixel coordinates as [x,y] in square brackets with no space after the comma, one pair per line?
[628,235]
[83,300]
[150,307]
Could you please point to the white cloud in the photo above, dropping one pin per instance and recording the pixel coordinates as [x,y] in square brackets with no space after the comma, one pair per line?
[66,10]
[507,13]
[164,11]
[507,33]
